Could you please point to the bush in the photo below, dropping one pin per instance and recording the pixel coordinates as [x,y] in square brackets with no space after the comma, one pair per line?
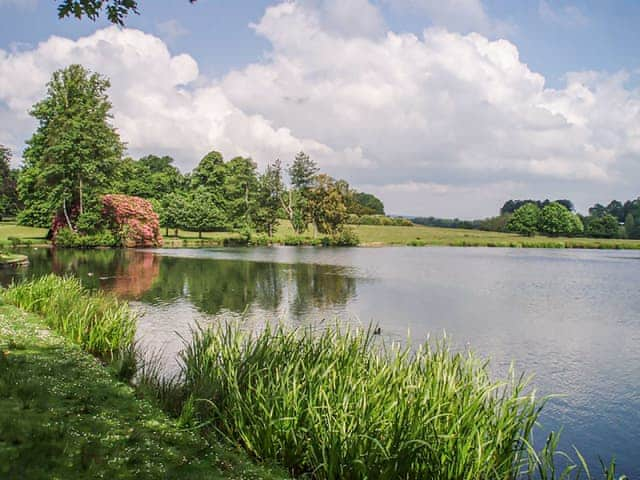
[378,220]
[67,238]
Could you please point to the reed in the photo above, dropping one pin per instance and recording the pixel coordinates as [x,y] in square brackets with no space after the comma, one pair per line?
[338,404]
[98,322]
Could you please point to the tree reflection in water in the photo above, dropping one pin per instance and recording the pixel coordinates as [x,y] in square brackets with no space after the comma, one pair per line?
[212,286]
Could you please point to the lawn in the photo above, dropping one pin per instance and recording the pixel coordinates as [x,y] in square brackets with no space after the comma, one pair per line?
[63,415]
[369,235]
[9,230]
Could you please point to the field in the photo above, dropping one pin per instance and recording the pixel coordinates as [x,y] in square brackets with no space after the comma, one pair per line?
[369,235]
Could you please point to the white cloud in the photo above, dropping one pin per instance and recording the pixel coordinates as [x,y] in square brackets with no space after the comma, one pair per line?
[440,124]
[457,15]
[564,16]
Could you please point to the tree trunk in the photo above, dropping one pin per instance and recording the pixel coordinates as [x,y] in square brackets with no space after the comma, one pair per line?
[66,214]
[166,232]
[199,234]
[80,191]
[175,232]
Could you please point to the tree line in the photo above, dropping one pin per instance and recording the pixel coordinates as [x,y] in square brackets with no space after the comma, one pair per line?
[615,220]
[75,156]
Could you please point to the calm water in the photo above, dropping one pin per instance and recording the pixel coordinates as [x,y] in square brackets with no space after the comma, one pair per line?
[570,317]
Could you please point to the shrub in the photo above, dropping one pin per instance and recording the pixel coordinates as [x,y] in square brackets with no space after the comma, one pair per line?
[133,220]
[525,220]
[67,238]
[378,220]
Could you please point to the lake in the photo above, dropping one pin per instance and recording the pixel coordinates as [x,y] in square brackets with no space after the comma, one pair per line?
[568,316]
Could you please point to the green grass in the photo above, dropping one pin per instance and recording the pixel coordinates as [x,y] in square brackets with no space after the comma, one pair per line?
[63,415]
[369,235]
[336,404]
[375,235]
[9,230]
[100,323]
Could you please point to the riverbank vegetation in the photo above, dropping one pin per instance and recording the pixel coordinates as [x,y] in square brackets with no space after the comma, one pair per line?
[330,403]
[63,415]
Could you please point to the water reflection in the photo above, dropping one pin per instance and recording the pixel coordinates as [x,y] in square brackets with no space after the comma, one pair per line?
[570,317]
[212,286]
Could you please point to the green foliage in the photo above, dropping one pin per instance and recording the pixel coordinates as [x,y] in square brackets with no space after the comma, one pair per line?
[353,219]
[202,212]
[67,238]
[9,202]
[326,205]
[361,203]
[98,322]
[335,404]
[302,172]
[64,416]
[525,220]
[602,226]
[240,187]
[75,153]
[150,177]
[556,220]
[270,191]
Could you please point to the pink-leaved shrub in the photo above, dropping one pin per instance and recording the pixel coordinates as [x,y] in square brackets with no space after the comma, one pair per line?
[133,220]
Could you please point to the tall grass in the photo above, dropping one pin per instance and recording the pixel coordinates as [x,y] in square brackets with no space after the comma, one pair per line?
[98,322]
[337,405]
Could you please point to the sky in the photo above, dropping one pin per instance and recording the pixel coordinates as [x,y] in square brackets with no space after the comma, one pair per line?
[440,108]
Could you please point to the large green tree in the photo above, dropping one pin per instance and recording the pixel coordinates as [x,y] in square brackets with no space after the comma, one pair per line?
[327,205]
[202,214]
[75,153]
[240,190]
[602,226]
[270,190]
[296,202]
[556,219]
[525,219]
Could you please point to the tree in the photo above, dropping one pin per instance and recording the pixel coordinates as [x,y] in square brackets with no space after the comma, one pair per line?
[117,10]
[202,213]
[270,190]
[8,184]
[74,155]
[150,177]
[302,172]
[240,191]
[361,203]
[602,226]
[326,204]
[555,220]
[210,172]
[174,211]
[296,203]
[525,219]
[630,227]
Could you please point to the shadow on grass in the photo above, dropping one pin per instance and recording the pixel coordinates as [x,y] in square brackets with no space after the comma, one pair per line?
[63,416]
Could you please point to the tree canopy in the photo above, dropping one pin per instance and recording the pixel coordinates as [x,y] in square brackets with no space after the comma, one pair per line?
[75,153]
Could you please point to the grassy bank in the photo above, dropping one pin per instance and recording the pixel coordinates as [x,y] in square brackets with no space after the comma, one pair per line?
[64,415]
[368,235]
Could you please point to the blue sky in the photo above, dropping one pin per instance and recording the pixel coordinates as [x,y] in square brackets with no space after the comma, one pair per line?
[499,99]
[602,35]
